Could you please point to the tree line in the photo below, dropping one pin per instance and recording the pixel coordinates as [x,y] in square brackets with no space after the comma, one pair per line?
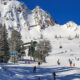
[8,45]
[14,44]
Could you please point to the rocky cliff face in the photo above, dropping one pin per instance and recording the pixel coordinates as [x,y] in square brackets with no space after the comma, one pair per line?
[16,15]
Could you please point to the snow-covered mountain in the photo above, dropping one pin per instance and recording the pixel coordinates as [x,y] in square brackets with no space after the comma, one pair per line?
[16,15]
[35,23]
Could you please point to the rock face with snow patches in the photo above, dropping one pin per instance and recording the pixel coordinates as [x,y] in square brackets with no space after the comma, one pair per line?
[16,15]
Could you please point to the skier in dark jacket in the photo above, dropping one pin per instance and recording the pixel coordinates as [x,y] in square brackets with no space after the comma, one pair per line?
[34,69]
[70,62]
[39,63]
[54,75]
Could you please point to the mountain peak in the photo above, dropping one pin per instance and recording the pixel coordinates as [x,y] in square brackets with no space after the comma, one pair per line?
[16,15]
[37,7]
[71,24]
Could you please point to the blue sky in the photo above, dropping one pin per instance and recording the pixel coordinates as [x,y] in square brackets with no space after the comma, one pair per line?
[61,10]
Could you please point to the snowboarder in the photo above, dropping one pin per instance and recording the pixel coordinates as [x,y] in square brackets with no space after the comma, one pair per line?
[58,62]
[34,69]
[54,75]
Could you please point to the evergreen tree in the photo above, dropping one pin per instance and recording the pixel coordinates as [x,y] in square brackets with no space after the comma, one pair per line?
[31,49]
[4,48]
[16,43]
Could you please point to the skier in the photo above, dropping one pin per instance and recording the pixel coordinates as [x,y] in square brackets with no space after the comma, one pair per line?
[54,75]
[70,62]
[58,62]
[39,63]
[34,69]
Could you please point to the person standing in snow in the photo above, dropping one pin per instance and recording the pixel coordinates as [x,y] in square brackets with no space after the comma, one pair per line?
[39,63]
[54,75]
[70,62]
[58,62]
[34,69]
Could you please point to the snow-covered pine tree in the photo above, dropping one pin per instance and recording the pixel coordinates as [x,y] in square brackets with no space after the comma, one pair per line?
[4,48]
[31,50]
[16,43]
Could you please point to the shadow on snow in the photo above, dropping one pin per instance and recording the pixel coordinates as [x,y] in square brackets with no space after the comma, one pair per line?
[26,73]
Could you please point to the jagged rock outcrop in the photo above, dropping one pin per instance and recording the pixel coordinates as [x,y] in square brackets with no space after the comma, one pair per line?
[15,14]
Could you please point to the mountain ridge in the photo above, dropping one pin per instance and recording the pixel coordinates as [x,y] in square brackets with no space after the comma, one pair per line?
[16,15]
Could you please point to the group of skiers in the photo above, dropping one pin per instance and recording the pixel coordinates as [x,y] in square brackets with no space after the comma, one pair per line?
[70,63]
[53,74]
